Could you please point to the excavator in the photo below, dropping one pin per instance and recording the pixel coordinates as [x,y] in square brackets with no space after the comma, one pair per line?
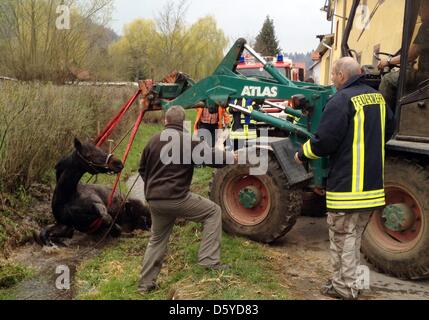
[265,207]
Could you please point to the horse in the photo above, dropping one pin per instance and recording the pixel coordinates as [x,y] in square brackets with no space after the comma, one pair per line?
[84,207]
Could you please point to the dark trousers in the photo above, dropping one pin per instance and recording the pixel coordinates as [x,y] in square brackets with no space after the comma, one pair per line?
[211,128]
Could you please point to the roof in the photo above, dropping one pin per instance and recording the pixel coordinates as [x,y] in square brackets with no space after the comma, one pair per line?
[260,65]
[326,42]
[314,64]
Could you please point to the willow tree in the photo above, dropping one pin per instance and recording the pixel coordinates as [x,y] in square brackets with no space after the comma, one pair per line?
[154,48]
[48,39]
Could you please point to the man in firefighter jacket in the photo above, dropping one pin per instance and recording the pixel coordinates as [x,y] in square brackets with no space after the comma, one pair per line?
[353,130]
[243,127]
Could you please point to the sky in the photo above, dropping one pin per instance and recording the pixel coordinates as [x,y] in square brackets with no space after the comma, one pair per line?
[297,22]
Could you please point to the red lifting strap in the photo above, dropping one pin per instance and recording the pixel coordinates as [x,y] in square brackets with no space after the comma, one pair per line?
[94,226]
[105,133]
[127,151]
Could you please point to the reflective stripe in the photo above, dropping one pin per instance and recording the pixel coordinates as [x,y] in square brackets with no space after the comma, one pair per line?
[246,130]
[241,135]
[383,133]
[355,195]
[359,102]
[308,152]
[358,150]
[245,121]
[356,204]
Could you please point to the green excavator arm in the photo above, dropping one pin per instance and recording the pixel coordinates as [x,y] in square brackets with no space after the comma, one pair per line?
[226,84]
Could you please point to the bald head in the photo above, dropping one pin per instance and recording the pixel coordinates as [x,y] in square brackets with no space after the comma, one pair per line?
[348,66]
[343,70]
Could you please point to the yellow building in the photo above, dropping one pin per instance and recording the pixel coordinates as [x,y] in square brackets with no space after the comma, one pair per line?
[377,27]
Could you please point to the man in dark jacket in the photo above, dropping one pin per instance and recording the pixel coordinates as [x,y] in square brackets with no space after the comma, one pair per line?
[167,173]
[353,130]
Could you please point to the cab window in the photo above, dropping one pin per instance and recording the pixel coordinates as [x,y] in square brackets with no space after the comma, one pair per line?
[417,72]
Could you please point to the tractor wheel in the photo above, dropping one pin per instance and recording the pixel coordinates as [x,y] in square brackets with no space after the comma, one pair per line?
[397,240]
[258,207]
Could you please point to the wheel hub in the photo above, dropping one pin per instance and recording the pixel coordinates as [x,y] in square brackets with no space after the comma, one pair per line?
[246,199]
[398,217]
[250,197]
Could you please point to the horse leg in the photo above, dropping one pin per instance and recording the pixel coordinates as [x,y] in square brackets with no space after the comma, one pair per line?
[53,234]
[137,215]
[108,220]
[104,214]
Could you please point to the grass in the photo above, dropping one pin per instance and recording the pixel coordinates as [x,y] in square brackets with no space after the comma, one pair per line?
[39,121]
[10,275]
[114,274]
[37,125]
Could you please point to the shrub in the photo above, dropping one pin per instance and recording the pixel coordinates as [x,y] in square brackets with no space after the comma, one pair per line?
[38,123]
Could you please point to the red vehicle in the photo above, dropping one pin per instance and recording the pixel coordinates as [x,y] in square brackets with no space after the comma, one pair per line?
[250,68]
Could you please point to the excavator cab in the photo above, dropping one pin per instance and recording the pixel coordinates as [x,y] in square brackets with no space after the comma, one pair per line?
[397,239]
[383,29]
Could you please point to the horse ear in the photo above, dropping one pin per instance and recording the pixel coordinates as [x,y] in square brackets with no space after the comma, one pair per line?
[77,144]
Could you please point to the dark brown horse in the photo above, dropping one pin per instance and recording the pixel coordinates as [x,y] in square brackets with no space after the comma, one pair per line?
[84,208]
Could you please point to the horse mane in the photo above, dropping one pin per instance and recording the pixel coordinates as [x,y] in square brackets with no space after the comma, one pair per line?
[61,166]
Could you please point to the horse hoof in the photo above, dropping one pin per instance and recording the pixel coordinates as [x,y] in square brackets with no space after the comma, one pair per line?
[40,238]
[116,231]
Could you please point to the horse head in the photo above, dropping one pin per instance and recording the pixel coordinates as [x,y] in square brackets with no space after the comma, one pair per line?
[95,160]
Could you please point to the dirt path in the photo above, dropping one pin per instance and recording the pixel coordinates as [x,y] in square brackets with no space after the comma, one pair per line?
[302,258]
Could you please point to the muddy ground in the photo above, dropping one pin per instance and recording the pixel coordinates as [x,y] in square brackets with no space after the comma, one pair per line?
[44,263]
[304,257]
[301,259]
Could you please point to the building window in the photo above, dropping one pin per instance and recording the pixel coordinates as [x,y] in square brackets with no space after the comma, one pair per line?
[337,35]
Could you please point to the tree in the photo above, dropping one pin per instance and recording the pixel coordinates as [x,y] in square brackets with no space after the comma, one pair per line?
[204,47]
[152,49]
[133,54]
[34,48]
[266,41]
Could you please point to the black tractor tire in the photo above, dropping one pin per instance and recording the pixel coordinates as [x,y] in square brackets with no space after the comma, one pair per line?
[406,260]
[281,213]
